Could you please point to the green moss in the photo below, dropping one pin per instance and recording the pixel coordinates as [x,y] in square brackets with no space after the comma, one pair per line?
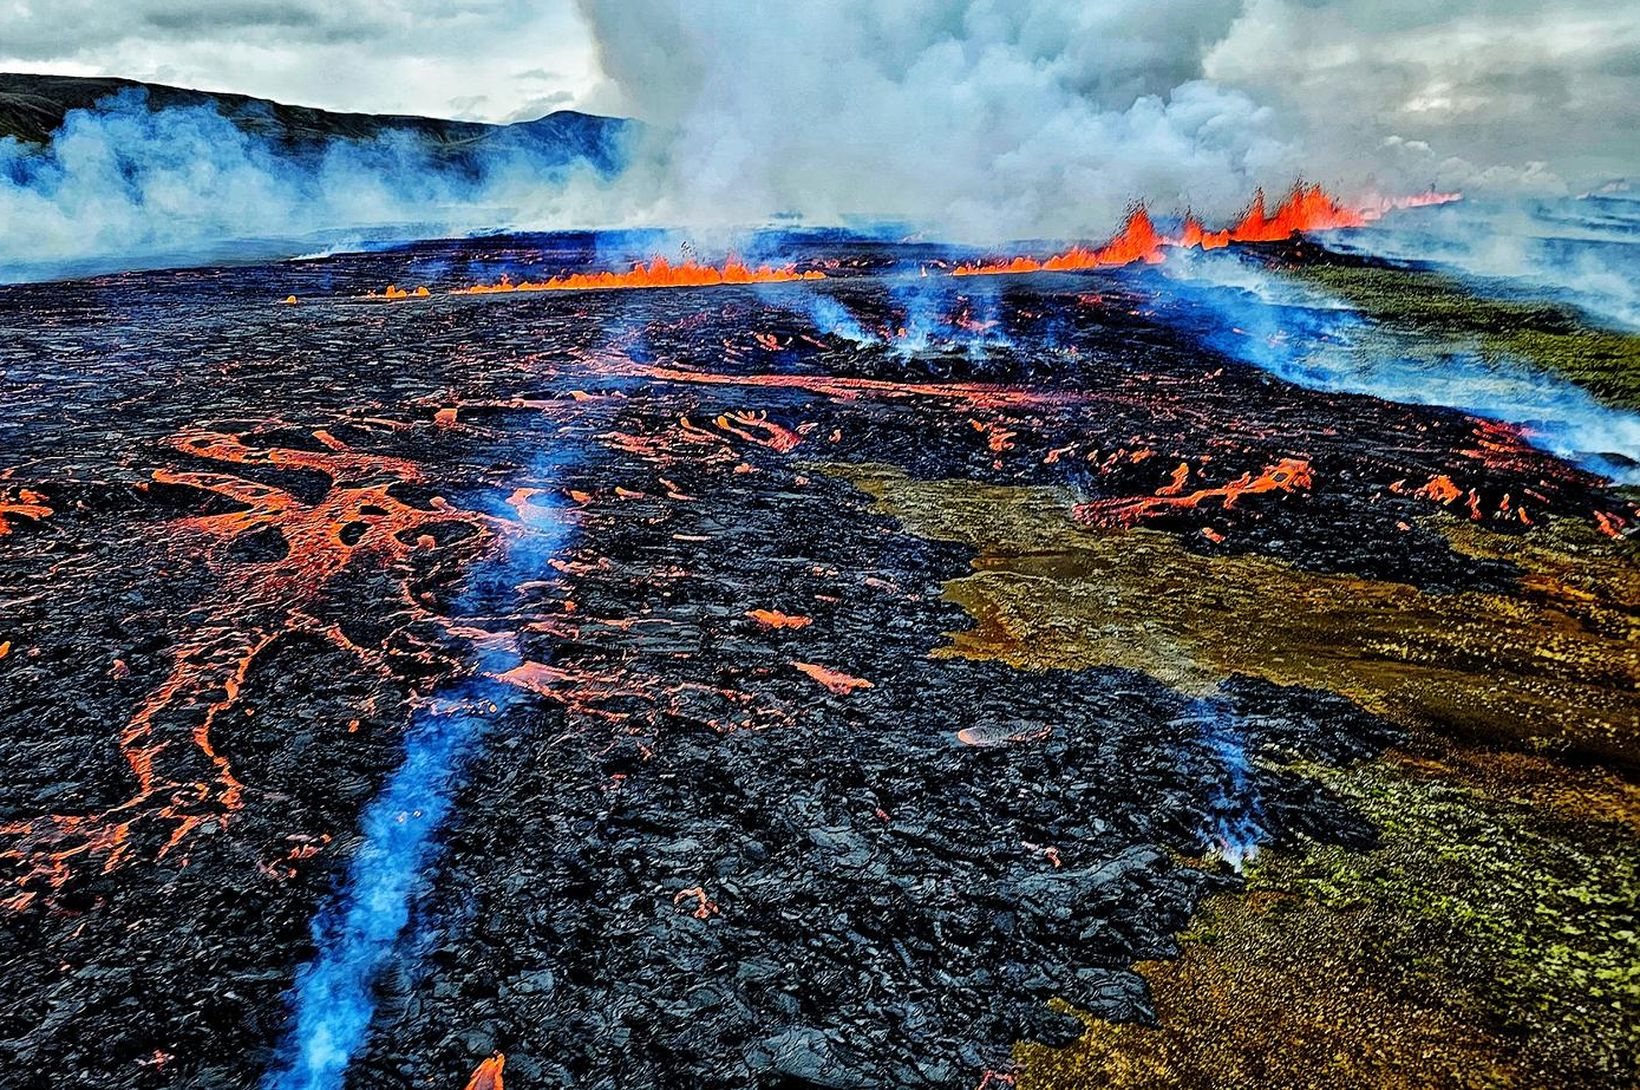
[1533,919]
[1491,940]
[1445,316]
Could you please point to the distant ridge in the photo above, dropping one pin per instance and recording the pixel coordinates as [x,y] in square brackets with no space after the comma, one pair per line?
[32,107]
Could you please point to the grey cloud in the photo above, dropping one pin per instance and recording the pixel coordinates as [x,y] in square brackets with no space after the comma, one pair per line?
[37,30]
[1490,86]
[403,56]
[983,117]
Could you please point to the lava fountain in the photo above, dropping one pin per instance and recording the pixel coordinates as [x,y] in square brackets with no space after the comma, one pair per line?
[1306,208]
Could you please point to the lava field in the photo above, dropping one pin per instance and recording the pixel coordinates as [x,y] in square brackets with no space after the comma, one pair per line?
[558,675]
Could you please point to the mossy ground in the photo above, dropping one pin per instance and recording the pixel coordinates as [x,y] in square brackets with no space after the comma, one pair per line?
[1490,940]
[1449,316]
[1551,667]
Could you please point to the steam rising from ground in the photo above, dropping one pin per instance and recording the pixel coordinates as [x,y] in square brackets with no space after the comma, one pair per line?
[1584,250]
[123,186]
[356,936]
[1304,337]
[359,933]
[979,122]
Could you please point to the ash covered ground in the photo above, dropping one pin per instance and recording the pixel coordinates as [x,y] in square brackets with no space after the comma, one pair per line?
[703,794]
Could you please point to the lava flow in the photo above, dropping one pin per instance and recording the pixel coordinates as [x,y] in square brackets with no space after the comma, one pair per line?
[488,1074]
[659,273]
[21,502]
[736,648]
[1287,475]
[1306,208]
[181,780]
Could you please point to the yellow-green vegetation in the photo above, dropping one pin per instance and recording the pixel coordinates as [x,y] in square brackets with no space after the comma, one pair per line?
[1488,942]
[1553,666]
[1540,915]
[1449,317]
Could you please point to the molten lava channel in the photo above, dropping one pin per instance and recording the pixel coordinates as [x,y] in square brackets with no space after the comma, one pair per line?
[1305,208]
[658,273]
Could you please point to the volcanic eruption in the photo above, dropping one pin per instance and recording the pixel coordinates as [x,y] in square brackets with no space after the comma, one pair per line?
[890,562]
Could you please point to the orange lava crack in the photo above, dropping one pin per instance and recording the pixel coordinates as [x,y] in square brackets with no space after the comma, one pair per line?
[1287,475]
[356,518]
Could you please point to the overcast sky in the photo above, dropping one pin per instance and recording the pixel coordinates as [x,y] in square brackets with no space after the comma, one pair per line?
[1536,93]
[484,59]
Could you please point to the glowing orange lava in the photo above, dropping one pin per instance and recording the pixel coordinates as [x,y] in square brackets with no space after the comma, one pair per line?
[487,1076]
[659,273]
[181,780]
[835,681]
[772,618]
[1306,208]
[1287,475]
[1138,240]
[21,503]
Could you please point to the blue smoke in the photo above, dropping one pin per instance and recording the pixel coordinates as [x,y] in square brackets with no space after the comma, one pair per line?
[359,932]
[357,935]
[124,186]
[832,317]
[1311,340]
[1235,813]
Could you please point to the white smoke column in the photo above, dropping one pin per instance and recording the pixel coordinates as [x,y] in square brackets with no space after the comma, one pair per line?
[1235,811]
[982,121]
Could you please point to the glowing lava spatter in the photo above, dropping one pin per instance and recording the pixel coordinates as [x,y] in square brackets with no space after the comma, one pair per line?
[1306,208]
[658,273]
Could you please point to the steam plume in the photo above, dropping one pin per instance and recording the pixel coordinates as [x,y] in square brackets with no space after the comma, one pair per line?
[123,186]
[1304,337]
[358,934]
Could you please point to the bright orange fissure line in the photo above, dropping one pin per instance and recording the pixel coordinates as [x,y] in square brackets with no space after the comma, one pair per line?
[1306,208]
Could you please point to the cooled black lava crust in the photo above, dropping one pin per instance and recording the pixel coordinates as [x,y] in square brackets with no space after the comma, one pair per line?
[879,904]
